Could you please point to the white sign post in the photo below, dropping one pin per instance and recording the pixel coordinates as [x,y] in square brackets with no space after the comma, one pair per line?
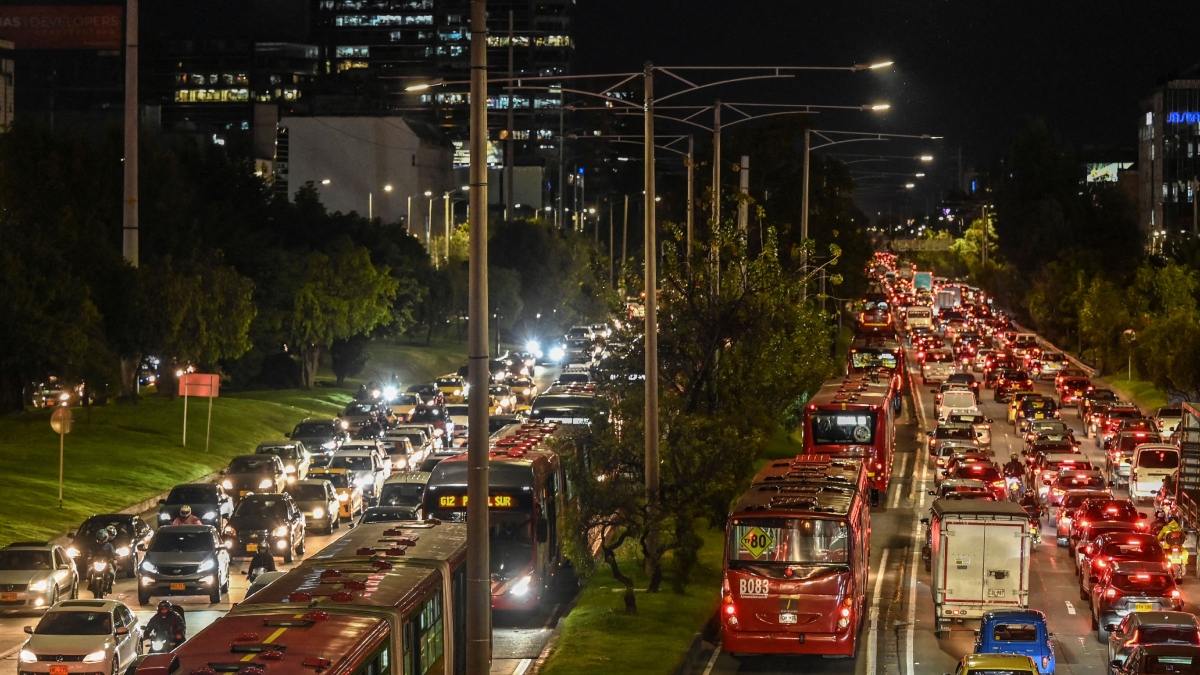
[61,423]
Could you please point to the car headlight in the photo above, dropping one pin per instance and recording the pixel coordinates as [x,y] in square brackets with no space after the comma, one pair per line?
[28,656]
[227,484]
[123,551]
[266,483]
[389,393]
[437,432]
[342,496]
[532,346]
[458,392]
[100,565]
[280,531]
[318,512]
[96,657]
[289,469]
[64,397]
[206,566]
[72,552]
[211,515]
[522,586]
[39,586]
[149,567]
[557,353]
[363,482]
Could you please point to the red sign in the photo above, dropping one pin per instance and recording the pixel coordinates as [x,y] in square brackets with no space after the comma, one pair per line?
[200,384]
[63,26]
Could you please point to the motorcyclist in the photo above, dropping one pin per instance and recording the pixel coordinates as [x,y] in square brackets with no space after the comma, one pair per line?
[1014,468]
[262,560]
[1160,521]
[1170,528]
[104,551]
[186,517]
[166,625]
[1029,502]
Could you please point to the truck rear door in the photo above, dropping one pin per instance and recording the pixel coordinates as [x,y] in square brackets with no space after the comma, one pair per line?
[1004,570]
[963,560]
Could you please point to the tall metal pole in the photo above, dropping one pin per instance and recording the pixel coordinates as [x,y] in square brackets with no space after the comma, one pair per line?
[446,217]
[561,217]
[611,280]
[479,578]
[370,206]
[129,214]
[651,255]
[509,159]
[625,240]
[804,213]
[744,190]
[716,187]
[1195,207]
[408,218]
[983,240]
[691,193]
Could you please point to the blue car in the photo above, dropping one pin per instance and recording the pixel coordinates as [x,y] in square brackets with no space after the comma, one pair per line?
[1017,631]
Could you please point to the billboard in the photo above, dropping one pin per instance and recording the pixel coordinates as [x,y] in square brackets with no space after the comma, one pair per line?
[97,27]
[1105,173]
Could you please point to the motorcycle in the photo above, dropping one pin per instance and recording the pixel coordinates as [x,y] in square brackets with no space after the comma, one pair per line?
[1014,488]
[99,578]
[159,641]
[1035,525]
[1176,556]
[256,573]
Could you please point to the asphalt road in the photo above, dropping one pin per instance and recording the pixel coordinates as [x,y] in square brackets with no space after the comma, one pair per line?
[518,638]
[899,639]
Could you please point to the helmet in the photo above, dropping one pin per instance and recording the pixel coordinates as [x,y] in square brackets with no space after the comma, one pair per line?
[185,511]
[112,532]
[1013,457]
[102,536]
[164,607]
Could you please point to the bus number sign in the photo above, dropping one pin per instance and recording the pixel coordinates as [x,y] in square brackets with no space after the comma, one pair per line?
[460,501]
[756,542]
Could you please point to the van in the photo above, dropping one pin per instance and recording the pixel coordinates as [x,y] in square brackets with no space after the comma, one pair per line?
[956,399]
[918,315]
[1151,463]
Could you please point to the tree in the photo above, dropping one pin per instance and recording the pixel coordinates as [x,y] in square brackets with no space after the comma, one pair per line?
[348,357]
[334,296]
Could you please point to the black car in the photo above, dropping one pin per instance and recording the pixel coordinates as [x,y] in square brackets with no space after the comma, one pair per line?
[132,532]
[1160,659]
[389,514]
[428,393]
[256,474]
[273,517]
[320,435]
[431,460]
[209,503]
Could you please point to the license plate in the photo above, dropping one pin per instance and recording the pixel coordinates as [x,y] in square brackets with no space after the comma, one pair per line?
[58,670]
[787,617]
[178,587]
[1143,606]
[8,597]
[252,548]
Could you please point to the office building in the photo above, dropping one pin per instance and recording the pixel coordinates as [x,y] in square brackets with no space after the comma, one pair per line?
[1169,157]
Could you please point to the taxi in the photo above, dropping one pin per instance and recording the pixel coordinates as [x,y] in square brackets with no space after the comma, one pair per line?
[523,389]
[349,495]
[502,399]
[990,664]
[453,387]
[1014,403]
[404,404]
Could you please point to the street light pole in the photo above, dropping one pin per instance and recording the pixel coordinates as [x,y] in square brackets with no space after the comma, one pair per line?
[129,213]
[691,187]
[716,186]
[804,213]
[479,578]
[651,255]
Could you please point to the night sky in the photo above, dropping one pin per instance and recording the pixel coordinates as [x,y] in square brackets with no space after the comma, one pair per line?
[973,72]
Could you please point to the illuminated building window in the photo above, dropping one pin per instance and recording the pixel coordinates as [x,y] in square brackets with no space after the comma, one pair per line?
[212,96]
[351,65]
[352,51]
[554,41]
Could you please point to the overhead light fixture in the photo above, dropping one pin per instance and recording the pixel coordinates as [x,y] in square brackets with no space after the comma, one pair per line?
[880,106]
[910,185]
[881,64]
[926,158]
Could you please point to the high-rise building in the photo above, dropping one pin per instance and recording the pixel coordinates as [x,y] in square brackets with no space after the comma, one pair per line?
[1169,157]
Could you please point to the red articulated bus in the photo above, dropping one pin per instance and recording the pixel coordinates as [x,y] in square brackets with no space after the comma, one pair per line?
[879,355]
[855,417]
[385,599]
[796,563]
[527,493]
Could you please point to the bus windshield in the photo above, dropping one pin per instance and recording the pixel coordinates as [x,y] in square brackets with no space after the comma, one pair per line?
[843,427]
[790,540]
[862,359]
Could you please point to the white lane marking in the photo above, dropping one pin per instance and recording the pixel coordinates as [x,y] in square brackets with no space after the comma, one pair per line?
[713,660]
[910,630]
[522,667]
[1070,608]
[921,487]
[899,486]
[873,635]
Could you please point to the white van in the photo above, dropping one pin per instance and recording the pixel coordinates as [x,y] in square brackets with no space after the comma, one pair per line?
[1151,463]
[956,399]
[918,315]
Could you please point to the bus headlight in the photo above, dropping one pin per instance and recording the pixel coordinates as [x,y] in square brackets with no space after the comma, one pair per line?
[521,588]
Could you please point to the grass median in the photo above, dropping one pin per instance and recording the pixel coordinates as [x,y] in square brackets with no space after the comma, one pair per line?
[598,638]
[1142,392]
[119,455]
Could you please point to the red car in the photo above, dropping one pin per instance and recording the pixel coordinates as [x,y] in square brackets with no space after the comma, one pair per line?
[1113,547]
[1071,388]
[984,471]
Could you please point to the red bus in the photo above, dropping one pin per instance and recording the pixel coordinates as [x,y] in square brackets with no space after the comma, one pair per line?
[883,355]
[855,417]
[527,493]
[796,562]
[385,599]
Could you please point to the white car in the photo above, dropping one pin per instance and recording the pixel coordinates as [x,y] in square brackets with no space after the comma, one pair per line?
[41,571]
[956,399]
[982,425]
[82,636]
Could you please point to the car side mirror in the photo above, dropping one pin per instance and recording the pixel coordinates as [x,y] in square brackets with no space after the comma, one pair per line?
[932,492]
[929,434]
[122,630]
[1115,663]
[287,434]
[976,632]
[70,535]
[925,521]
[933,391]
[1142,516]
[141,547]
[222,472]
[29,630]
[64,567]
[989,420]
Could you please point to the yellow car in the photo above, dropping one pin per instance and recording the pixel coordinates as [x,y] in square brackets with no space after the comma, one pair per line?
[1014,404]
[404,405]
[453,387]
[523,389]
[503,400]
[1010,664]
[349,495]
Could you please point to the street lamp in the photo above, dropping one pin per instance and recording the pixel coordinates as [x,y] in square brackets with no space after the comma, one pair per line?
[926,158]
[429,222]
[371,202]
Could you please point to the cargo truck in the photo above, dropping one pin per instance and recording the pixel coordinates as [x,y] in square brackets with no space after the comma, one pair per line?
[923,281]
[1187,485]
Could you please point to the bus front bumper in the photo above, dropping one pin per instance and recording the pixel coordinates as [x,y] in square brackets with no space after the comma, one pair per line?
[753,642]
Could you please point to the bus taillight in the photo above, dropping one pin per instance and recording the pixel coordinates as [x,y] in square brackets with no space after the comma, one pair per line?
[844,618]
[730,611]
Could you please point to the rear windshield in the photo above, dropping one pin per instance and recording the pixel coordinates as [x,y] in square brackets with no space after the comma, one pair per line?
[1158,459]
[1015,632]
[1128,443]
[1142,583]
[1115,510]
[939,357]
[1168,635]
[843,427]
[1133,547]
[1074,481]
[965,433]
[1170,665]
[790,540]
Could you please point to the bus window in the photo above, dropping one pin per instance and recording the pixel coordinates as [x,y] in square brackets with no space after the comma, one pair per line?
[511,540]
[841,427]
[432,635]
[789,540]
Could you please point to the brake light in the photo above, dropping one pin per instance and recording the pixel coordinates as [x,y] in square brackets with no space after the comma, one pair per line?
[1112,593]
[998,483]
[1100,563]
[1175,593]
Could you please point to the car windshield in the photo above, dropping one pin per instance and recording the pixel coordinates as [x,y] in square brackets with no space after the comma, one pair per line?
[260,508]
[402,494]
[840,428]
[1170,665]
[1168,635]
[75,623]
[388,515]
[405,399]
[1014,632]
[1158,459]
[339,480]
[309,493]
[192,495]
[352,462]
[427,415]
[256,464]
[93,525]
[25,560]
[789,540]
[174,541]
[1142,583]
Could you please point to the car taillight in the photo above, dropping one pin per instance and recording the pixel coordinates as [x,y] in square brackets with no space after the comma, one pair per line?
[1175,593]
[1111,593]
[1100,563]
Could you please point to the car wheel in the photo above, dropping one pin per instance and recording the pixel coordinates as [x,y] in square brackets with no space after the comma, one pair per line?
[1083,595]
[143,597]
[54,597]
[300,548]
[214,596]
[288,555]
[75,590]
[1101,635]
[133,565]
[225,586]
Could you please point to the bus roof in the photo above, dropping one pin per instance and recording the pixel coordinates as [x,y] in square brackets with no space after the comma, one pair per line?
[518,454]
[811,469]
[856,389]
[789,500]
